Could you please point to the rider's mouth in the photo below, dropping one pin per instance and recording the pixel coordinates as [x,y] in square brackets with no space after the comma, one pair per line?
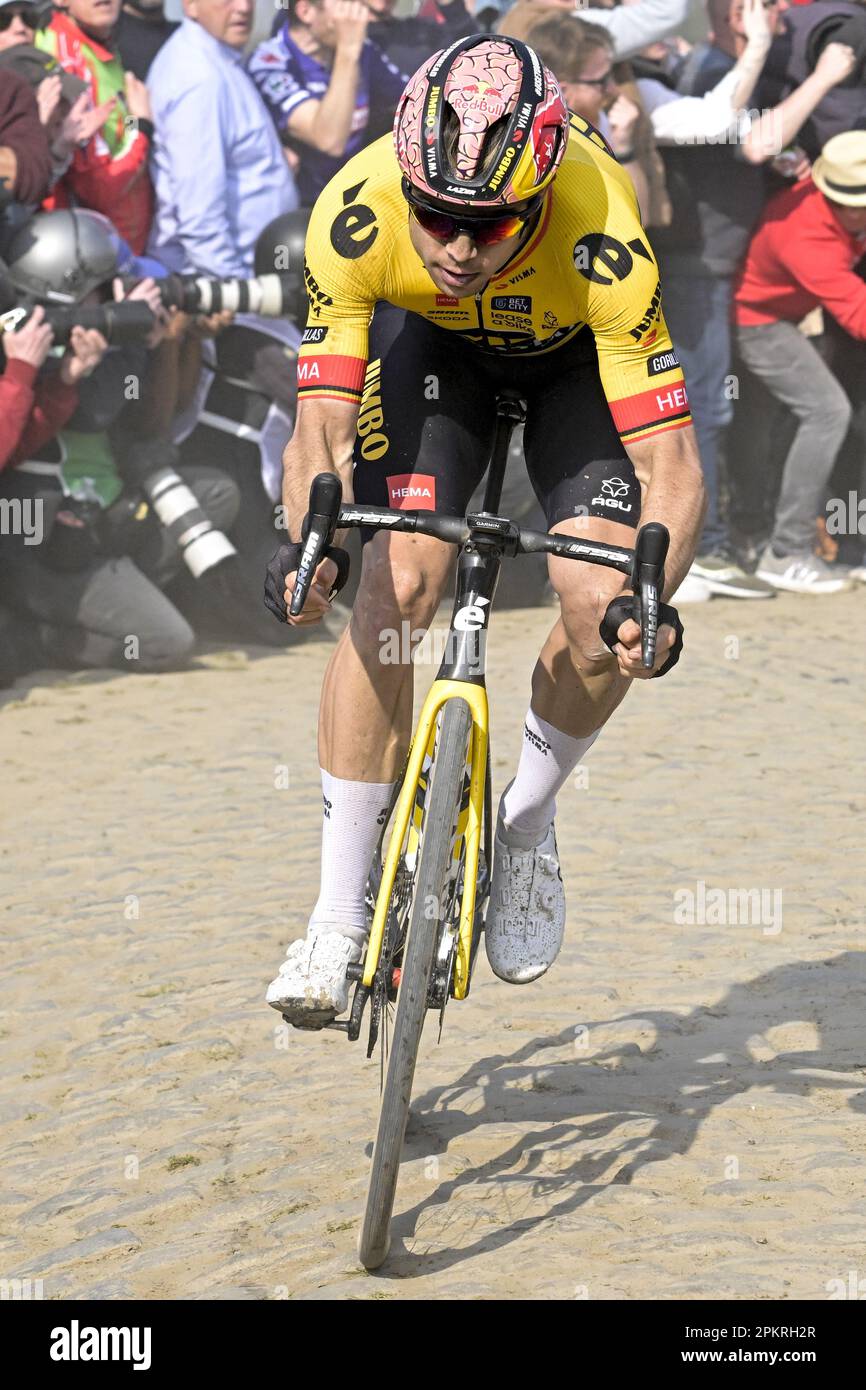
[457,279]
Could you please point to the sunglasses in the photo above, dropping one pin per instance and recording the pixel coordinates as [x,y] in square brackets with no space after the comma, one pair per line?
[484,231]
[600,82]
[28,14]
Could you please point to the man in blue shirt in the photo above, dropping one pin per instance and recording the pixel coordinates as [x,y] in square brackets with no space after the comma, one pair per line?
[219,170]
[329,88]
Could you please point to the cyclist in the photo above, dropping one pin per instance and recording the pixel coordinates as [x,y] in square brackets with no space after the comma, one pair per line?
[502,247]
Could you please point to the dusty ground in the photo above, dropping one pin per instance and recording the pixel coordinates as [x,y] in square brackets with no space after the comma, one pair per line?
[675,1110]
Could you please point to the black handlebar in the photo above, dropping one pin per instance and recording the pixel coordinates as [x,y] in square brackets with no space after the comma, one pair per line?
[319,527]
[644,565]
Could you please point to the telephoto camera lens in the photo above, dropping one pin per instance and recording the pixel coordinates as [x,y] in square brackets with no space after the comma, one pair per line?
[200,543]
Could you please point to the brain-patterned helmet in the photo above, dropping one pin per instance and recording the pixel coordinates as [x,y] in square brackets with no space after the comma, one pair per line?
[481,124]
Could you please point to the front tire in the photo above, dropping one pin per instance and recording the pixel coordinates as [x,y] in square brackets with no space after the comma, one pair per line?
[440,819]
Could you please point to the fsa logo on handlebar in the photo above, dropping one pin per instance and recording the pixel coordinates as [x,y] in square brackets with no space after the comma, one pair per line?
[472,617]
[350,237]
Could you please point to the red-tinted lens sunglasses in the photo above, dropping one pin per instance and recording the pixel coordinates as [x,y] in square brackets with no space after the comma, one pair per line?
[484,231]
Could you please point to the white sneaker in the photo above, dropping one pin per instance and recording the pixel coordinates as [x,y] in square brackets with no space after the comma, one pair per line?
[311,988]
[858,574]
[691,590]
[526,916]
[802,574]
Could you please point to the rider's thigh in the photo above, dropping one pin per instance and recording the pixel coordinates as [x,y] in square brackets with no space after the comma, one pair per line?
[403,579]
[426,419]
[585,590]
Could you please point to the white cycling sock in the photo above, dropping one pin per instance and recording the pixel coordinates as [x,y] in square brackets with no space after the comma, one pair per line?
[354,815]
[547,759]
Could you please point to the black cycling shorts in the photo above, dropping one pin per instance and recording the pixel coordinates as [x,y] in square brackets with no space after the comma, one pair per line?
[425,425]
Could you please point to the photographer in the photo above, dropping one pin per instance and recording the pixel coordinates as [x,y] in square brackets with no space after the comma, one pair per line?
[94,581]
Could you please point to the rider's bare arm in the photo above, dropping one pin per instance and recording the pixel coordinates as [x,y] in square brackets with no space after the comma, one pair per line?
[321,443]
[668,468]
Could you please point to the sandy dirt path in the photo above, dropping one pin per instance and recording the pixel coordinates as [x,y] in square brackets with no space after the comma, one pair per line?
[674,1110]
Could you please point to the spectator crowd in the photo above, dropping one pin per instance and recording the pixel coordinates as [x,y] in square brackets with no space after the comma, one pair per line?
[139,462]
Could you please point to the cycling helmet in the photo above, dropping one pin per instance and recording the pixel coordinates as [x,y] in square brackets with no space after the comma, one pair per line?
[59,257]
[481,124]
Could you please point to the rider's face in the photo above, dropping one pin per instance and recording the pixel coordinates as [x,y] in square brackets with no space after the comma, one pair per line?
[461,267]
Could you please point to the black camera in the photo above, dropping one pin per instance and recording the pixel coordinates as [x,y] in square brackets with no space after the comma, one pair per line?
[127,322]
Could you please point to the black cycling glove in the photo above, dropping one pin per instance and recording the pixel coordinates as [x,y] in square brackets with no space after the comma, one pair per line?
[624,607]
[286,560]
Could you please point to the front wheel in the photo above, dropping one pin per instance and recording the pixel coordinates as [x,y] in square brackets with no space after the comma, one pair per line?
[429,907]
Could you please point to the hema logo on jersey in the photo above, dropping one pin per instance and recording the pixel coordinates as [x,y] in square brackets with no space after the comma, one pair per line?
[410,492]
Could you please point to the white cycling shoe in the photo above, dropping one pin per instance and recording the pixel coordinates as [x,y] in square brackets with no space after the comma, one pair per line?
[526,915]
[311,988]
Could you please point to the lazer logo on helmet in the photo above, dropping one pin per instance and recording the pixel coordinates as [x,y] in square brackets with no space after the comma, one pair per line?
[412,491]
[503,166]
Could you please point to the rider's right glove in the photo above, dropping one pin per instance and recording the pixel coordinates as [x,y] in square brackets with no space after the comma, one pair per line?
[624,607]
[285,562]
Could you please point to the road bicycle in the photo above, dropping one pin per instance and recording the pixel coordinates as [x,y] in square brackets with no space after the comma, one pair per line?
[428,887]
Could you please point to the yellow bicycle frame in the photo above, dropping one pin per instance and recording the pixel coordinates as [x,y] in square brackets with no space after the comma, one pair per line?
[440,692]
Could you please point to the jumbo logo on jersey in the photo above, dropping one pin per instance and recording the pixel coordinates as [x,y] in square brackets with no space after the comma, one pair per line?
[353,230]
[412,491]
[597,252]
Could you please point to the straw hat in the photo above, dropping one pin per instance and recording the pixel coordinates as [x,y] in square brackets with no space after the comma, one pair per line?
[840,169]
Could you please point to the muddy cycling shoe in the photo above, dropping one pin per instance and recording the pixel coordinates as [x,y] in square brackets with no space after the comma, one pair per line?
[311,988]
[526,916]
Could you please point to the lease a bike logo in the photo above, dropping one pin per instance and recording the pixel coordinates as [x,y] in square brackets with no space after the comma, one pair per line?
[613,490]
[316,334]
[354,229]
[602,258]
[412,491]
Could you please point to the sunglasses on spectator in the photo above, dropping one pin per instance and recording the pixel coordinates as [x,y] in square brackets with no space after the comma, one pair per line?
[28,14]
[484,230]
[600,82]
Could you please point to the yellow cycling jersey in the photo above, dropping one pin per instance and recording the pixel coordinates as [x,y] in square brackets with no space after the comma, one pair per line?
[588,263]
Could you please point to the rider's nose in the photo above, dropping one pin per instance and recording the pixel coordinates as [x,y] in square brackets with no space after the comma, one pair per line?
[462,248]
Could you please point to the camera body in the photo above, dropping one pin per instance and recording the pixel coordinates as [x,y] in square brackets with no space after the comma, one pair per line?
[127,322]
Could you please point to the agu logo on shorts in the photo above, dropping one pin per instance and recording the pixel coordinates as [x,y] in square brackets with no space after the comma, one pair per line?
[411,492]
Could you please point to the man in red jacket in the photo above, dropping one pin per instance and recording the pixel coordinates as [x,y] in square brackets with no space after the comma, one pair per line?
[801,257]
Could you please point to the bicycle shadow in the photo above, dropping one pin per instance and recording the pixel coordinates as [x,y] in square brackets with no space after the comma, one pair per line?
[696,1063]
